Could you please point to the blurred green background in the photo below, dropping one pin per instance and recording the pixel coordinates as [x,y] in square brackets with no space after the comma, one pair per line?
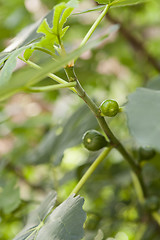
[40,134]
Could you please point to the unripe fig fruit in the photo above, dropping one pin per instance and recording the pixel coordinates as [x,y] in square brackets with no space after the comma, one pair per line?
[94,140]
[109,108]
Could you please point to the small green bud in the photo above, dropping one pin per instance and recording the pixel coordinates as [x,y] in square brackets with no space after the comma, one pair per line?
[109,108]
[94,140]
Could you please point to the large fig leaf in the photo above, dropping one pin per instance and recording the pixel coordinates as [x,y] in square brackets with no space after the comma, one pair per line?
[65,222]
[36,217]
[143,113]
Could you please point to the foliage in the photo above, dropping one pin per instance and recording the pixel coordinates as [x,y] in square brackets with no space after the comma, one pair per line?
[64,222]
[43,123]
[143,118]
[10,197]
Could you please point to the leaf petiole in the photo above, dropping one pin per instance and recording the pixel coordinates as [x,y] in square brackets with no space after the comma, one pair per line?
[50,75]
[51,87]
[91,169]
[94,26]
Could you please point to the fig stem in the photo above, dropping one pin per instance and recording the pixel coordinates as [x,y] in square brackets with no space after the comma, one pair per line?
[50,75]
[114,141]
[91,169]
[94,26]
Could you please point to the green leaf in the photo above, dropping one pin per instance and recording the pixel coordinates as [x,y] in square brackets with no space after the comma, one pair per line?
[3,57]
[120,3]
[29,34]
[65,222]
[53,145]
[37,216]
[9,66]
[27,53]
[72,133]
[29,77]
[30,234]
[143,116]
[43,210]
[55,34]
[9,197]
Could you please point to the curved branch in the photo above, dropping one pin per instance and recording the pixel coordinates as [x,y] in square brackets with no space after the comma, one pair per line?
[104,126]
